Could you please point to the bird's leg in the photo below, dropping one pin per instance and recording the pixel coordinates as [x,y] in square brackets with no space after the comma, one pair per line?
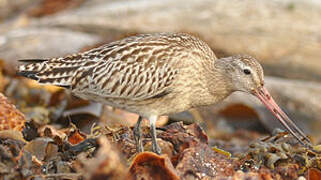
[138,135]
[155,147]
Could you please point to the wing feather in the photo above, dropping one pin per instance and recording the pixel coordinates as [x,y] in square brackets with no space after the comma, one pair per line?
[121,71]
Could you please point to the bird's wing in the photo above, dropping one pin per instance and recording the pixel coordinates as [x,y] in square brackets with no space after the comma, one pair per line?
[138,68]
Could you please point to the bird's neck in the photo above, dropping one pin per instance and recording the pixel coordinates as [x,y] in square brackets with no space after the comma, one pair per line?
[221,85]
[216,86]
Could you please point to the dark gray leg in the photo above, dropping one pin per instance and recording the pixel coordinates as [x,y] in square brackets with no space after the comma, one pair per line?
[138,135]
[155,147]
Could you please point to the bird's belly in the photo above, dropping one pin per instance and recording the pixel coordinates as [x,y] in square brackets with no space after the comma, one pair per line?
[152,106]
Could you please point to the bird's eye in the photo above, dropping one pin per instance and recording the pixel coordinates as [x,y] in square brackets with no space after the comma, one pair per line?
[247,71]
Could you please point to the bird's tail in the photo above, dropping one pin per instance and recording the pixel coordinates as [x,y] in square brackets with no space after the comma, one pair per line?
[48,71]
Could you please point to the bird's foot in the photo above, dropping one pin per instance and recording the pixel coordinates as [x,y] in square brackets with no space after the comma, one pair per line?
[138,136]
[138,139]
[155,148]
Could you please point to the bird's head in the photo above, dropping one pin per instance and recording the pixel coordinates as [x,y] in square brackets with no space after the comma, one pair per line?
[244,73]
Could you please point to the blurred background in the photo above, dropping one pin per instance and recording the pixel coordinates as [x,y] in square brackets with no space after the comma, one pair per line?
[283,35]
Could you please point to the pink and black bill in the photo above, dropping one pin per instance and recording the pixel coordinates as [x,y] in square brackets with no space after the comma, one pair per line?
[263,94]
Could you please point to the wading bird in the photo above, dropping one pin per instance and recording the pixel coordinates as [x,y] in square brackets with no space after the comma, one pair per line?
[154,75]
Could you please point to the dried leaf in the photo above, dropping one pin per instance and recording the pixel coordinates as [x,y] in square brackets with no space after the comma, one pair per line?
[150,166]
[240,175]
[107,163]
[12,134]
[166,147]
[76,137]
[52,132]
[314,174]
[201,161]
[10,117]
[38,147]
[30,131]
[183,137]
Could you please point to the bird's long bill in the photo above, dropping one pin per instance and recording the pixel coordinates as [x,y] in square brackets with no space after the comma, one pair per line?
[268,101]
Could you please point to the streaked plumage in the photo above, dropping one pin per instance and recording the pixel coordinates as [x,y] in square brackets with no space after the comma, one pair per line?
[151,74]
[129,72]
